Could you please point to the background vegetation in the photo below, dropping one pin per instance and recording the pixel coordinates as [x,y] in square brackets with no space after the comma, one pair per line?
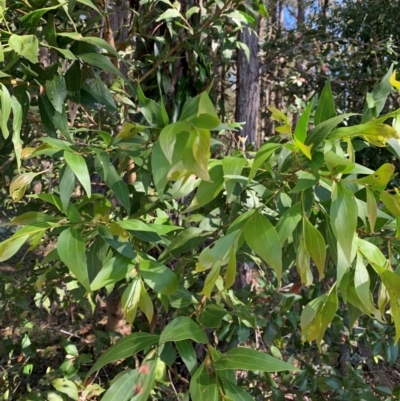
[199,200]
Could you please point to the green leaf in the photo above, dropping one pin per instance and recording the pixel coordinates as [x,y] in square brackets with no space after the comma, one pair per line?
[145,232]
[372,209]
[212,316]
[207,117]
[344,218]
[151,110]
[235,392]
[300,133]
[146,304]
[263,154]
[321,131]
[183,328]
[392,283]
[168,137]
[326,105]
[219,253]
[130,299]
[73,77]
[186,240]
[379,95]
[207,191]
[71,249]
[112,271]
[232,166]
[362,287]
[123,388]
[170,13]
[101,62]
[31,20]
[26,46]
[305,180]
[249,359]
[97,255]
[188,355]
[316,247]
[78,165]
[317,315]
[5,110]
[110,176]
[90,4]
[66,387]
[392,202]
[203,386]
[10,247]
[158,277]
[288,222]
[123,247]
[124,348]
[56,92]
[46,112]
[17,124]
[263,239]
[29,218]
[379,178]
[67,185]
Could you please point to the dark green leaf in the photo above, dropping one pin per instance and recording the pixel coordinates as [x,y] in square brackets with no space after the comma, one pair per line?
[188,355]
[124,348]
[183,328]
[203,386]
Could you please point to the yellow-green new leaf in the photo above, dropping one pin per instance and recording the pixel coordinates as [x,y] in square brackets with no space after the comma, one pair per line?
[393,81]
[372,209]
[380,177]
[392,202]
[316,247]
[317,315]
[146,304]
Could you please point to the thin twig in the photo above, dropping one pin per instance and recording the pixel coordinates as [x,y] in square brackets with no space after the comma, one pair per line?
[70,334]
[172,384]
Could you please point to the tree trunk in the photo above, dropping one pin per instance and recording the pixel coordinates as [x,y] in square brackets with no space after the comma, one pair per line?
[248,87]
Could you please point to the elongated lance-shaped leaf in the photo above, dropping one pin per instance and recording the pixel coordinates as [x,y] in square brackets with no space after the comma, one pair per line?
[71,249]
[78,165]
[124,348]
[249,359]
[326,105]
[203,386]
[344,218]
[316,247]
[183,328]
[111,177]
[263,239]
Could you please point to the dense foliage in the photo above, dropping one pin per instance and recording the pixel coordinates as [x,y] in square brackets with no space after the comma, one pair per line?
[115,157]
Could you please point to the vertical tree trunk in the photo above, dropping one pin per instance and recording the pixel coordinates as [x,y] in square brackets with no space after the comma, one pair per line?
[248,87]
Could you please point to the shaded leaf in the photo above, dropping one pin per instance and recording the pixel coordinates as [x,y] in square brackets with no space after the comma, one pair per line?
[183,328]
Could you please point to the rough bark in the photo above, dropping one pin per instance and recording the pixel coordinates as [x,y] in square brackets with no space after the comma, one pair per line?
[248,87]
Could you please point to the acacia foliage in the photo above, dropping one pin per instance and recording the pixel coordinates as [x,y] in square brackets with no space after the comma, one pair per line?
[300,201]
